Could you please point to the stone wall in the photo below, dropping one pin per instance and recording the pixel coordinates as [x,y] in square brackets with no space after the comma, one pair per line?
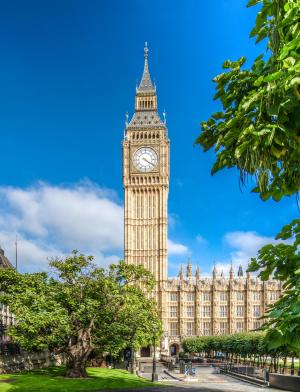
[284,381]
[29,361]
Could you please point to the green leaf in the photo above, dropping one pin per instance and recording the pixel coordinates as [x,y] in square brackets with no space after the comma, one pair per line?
[259,81]
[273,76]
[253,2]
[289,62]
[295,81]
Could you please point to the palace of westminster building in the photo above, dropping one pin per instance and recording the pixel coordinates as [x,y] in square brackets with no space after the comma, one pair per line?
[189,304]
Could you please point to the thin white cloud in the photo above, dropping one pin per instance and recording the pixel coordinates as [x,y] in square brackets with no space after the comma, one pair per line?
[175,248]
[200,239]
[32,255]
[173,220]
[244,244]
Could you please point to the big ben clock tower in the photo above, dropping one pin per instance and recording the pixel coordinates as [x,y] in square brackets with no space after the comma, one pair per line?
[146,183]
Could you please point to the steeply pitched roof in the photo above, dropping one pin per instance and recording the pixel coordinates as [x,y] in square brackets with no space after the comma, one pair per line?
[146,83]
[145,119]
[4,262]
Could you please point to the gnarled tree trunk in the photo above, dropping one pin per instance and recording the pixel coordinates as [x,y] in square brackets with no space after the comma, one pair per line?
[78,351]
[75,368]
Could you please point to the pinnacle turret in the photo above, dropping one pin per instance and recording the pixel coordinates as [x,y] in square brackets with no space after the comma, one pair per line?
[215,272]
[189,272]
[181,274]
[197,273]
[146,83]
[240,271]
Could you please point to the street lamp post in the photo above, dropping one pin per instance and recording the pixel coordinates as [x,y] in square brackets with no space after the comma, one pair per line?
[154,371]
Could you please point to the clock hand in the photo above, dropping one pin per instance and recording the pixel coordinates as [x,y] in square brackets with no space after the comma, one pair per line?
[146,160]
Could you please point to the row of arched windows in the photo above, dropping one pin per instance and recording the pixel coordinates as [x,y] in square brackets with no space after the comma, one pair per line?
[144,135]
[145,180]
[146,103]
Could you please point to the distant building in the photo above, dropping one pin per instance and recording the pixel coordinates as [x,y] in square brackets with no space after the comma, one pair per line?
[189,305]
[6,318]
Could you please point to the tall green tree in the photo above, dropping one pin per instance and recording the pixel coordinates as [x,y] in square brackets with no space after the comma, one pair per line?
[137,324]
[282,261]
[258,128]
[258,132]
[76,307]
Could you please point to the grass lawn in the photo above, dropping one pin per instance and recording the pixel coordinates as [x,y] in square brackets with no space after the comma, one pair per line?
[52,380]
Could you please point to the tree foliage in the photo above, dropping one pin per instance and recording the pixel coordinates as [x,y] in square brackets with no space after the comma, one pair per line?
[258,132]
[79,307]
[282,261]
[258,128]
[243,344]
[252,345]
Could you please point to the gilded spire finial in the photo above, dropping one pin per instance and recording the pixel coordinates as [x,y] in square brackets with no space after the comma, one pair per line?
[146,50]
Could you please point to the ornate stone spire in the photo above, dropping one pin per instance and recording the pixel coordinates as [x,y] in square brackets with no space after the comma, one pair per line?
[146,83]
[146,114]
[189,272]
[181,274]
[240,271]
[197,273]
[248,273]
[215,272]
[231,272]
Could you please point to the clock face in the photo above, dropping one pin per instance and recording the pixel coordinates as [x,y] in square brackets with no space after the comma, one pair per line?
[145,159]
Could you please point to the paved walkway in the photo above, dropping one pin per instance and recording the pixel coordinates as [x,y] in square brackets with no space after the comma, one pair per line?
[208,382]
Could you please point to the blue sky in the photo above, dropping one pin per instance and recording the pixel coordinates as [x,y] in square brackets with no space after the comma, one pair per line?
[68,72]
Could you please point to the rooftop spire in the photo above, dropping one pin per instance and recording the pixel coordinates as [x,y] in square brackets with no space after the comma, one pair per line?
[189,272]
[215,271]
[240,271]
[181,275]
[231,271]
[197,273]
[146,83]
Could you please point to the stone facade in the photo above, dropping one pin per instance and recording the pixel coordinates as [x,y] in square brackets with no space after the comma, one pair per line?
[215,306]
[6,318]
[189,305]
